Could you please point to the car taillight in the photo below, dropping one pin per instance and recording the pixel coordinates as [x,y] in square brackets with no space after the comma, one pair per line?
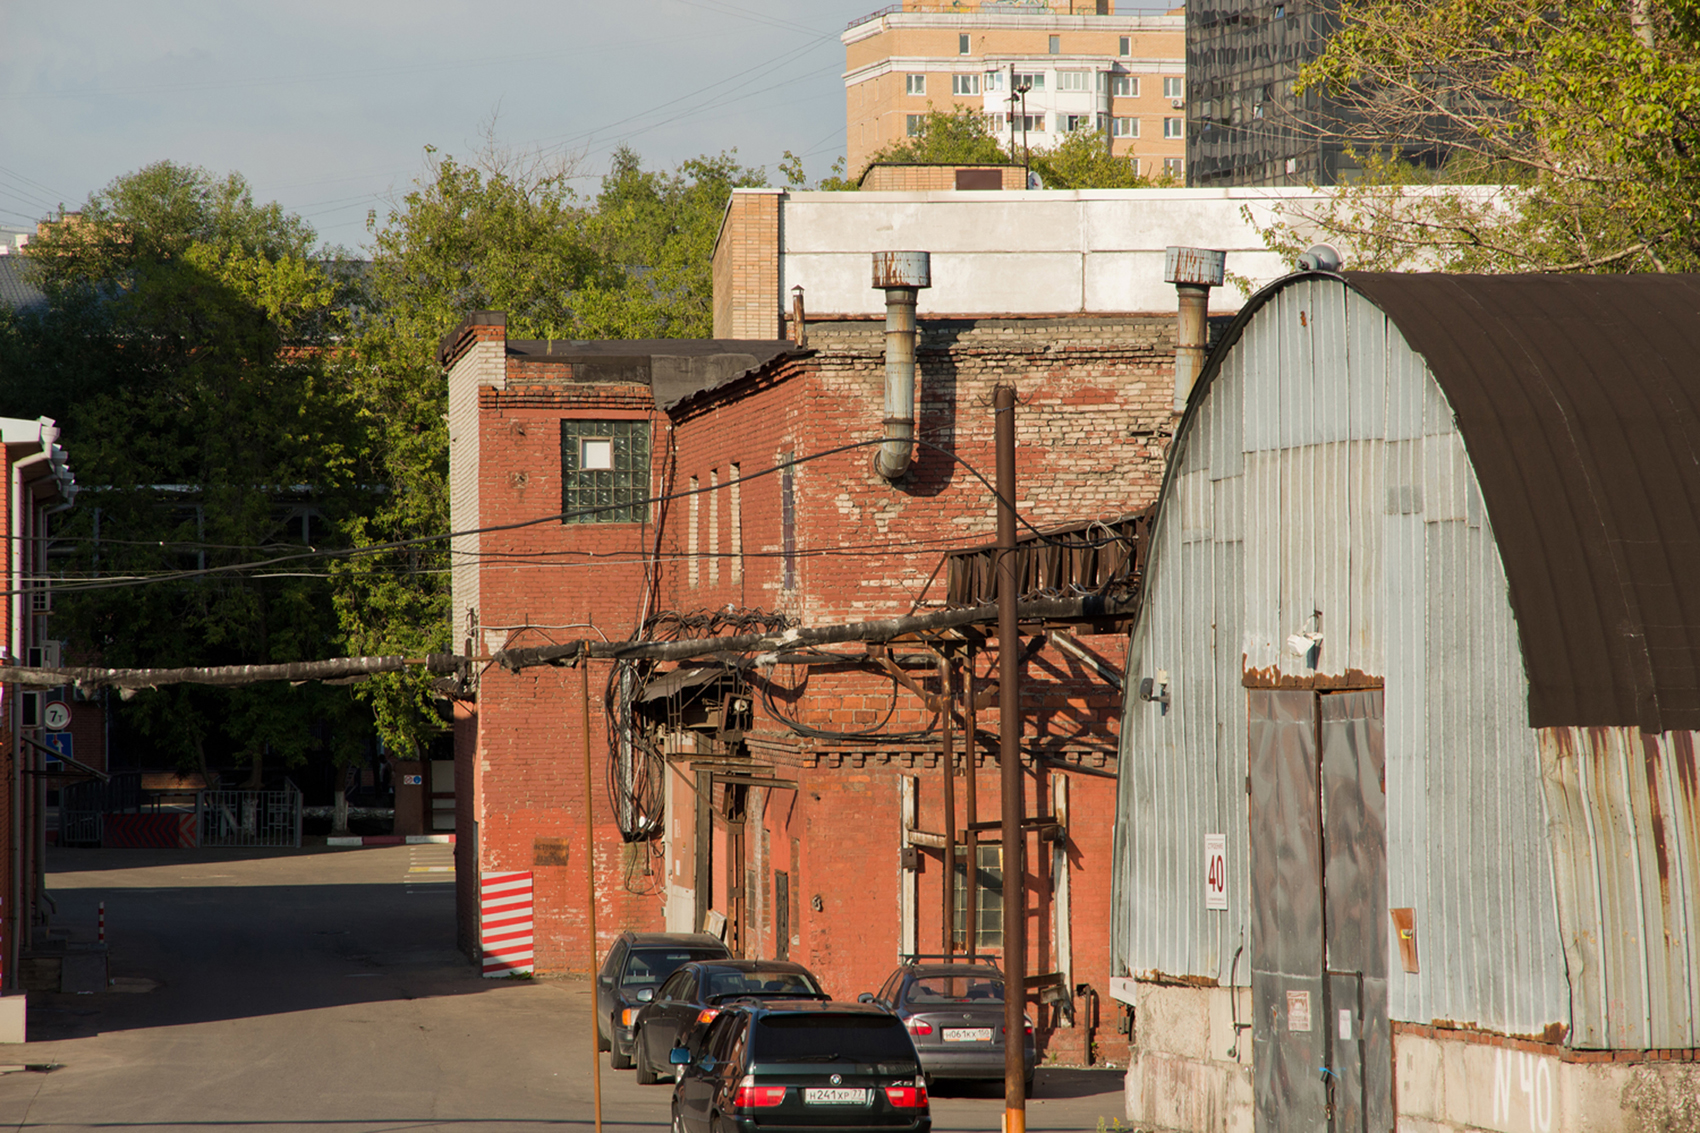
[916,1027]
[751,1096]
[707,1014]
[628,1015]
[907,1097]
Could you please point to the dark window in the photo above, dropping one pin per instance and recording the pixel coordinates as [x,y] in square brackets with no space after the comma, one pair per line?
[788,525]
[838,1037]
[981,989]
[648,967]
[979,178]
[988,899]
[605,471]
[674,988]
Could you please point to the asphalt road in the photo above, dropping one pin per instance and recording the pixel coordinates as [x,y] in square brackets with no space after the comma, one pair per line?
[320,991]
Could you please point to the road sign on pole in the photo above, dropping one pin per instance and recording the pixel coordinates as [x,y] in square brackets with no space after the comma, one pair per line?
[57,715]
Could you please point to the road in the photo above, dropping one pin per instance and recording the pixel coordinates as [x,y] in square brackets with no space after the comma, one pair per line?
[320,991]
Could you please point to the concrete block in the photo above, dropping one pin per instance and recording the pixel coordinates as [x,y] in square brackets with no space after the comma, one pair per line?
[1176,1021]
[1222,1015]
[12,1018]
[1418,1068]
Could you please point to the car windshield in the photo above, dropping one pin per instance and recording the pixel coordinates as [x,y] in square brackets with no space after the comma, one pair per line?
[722,985]
[833,1038]
[977,989]
[647,967]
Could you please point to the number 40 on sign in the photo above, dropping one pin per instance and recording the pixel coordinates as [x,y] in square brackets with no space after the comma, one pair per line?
[1215,871]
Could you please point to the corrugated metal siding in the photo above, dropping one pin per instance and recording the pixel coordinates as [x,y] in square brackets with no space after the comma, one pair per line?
[1348,493]
[1627,854]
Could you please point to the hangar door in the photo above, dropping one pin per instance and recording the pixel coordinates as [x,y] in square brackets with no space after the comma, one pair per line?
[1322,1050]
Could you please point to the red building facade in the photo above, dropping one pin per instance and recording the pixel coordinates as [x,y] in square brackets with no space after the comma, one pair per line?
[793,798]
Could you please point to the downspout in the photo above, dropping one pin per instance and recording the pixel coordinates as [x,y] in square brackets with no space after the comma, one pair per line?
[14,532]
[1193,271]
[901,275]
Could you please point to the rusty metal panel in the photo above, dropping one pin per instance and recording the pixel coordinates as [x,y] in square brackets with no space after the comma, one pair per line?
[1625,808]
[1289,1019]
[902,269]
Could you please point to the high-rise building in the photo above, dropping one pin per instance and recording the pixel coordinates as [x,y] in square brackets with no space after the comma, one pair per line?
[1083,66]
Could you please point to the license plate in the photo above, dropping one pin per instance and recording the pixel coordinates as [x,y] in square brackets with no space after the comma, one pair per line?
[834,1095]
[967,1034]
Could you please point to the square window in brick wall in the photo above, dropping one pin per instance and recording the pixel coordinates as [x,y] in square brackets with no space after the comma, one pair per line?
[605,471]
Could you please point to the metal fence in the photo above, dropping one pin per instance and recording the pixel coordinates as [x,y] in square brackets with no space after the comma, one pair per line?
[249,818]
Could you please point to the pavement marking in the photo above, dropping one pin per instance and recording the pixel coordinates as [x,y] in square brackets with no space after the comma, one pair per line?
[430,868]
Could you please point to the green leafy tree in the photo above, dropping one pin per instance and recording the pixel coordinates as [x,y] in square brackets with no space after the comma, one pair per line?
[963,136]
[1082,160]
[1578,126]
[183,352]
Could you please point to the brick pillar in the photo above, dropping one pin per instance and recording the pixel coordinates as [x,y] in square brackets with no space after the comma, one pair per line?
[746,267]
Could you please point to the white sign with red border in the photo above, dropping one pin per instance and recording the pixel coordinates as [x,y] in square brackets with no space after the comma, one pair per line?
[1216,871]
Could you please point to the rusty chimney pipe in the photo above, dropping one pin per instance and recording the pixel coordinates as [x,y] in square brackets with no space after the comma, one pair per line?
[799,333]
[901,275]
[1193,271]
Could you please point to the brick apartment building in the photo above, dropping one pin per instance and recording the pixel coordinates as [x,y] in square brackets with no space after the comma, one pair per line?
[793,797]
[1085,66]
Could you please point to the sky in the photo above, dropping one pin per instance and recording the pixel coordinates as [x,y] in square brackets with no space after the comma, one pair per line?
[326,106]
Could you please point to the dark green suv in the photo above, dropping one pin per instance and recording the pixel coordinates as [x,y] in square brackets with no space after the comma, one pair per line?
[803,1065]
[633,969]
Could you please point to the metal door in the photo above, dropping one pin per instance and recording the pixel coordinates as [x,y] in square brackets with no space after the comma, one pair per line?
[1321,1045]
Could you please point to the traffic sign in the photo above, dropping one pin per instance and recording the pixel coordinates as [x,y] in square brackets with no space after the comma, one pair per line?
[57,716]
[61,743]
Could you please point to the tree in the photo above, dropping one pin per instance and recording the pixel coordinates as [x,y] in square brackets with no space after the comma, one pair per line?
[183,352]
[1583,117]
[964,136]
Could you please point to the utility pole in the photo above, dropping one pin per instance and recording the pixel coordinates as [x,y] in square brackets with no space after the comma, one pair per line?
[590,890]
[1009,766]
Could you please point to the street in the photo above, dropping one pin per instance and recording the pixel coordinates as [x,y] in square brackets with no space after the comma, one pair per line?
[283,990]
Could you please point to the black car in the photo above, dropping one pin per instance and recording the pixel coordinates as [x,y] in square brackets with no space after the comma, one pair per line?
[635,967]
[954,1012]
[692,997]
[800,1064]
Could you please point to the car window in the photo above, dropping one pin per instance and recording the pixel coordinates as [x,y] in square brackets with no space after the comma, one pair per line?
[647,967]
[888,992]
[616,957]
[731,1030]
[723,985]
[735,1047]
[955,989]
[836,1037]
[711,1041]
[674,988]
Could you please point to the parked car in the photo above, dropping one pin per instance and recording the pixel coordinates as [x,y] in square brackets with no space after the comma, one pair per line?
[635,967]
[954,1013]
[800,1063]
[692,996]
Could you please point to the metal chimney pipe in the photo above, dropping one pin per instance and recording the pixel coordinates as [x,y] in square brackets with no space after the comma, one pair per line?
[1193,271]
[901,275]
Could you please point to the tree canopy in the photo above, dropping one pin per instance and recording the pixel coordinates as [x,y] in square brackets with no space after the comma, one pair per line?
[1585,116]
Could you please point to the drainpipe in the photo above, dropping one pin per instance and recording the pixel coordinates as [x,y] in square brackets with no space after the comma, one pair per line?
[1193,271]
[901,275]
[17,533]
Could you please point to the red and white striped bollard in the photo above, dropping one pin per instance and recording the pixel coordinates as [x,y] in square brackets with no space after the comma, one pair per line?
[102,923]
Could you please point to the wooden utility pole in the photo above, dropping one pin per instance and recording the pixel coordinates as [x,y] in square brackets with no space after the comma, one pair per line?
[1009,767]
[947,710]
[590,896]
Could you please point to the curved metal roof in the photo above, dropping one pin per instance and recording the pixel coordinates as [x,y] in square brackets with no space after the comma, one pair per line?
[1578,398]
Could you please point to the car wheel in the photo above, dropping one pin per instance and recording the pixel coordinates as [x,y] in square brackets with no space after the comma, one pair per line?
[1027,1087]
[646,1074]
[618,1061]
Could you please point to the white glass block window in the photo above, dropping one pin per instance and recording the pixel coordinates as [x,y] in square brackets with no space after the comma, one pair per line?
[604,471]
[1074,80]
[1174,86]
[914,84]
[1125,86]
[965,84]
[1174,127]
[1124,128]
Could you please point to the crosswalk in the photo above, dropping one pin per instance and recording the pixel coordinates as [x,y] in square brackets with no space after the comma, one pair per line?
[430,869]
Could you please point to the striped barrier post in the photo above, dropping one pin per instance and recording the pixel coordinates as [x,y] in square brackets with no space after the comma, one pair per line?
[504,923]
[100,933]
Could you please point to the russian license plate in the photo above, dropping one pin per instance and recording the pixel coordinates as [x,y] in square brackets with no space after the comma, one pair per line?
[967,1034]
[834,1095]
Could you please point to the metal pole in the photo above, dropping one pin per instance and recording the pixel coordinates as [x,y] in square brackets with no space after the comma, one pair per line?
[590,891]
[947,709]
[1009,768]
[970,799]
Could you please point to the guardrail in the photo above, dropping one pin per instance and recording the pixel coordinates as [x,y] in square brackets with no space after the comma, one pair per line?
[888,10]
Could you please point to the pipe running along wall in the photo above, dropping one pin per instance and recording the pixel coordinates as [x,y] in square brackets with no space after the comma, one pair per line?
[901,275]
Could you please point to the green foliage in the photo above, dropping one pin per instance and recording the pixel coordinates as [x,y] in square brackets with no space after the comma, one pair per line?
[182,352]
[963,136]
[1082,161]
[1587,115]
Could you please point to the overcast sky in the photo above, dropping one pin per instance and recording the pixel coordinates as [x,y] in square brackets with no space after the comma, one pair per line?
[326,105]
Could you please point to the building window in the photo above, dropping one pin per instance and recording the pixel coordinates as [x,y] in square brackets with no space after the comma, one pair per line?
[1073,80]
[912,124]
[1126,47]
[962,44]
[1175,166]
[988,899]
[1174,127]
[1071,123]
[1125,86]
[965,84]
[1124,128]
[1034,81]
[998,123]
[1056,45]
[605,471]
[994,81]
[1174,86]
[915,84]
[1029,123]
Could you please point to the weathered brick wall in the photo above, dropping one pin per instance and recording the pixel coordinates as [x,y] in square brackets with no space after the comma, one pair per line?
[893,178]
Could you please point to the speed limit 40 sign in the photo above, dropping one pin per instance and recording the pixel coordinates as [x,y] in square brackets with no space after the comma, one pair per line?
[1215,871]
[56,715]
